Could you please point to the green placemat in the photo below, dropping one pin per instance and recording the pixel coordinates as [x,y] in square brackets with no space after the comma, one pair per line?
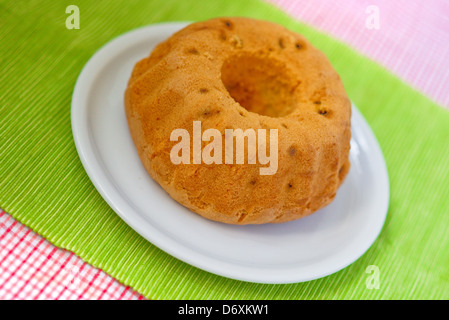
[43,184]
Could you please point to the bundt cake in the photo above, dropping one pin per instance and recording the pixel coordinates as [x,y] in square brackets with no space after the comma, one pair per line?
[241,73]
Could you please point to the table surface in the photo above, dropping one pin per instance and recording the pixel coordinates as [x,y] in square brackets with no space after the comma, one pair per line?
[409,38]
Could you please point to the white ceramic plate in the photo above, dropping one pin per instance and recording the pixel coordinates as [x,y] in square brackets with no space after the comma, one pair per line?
[297,251]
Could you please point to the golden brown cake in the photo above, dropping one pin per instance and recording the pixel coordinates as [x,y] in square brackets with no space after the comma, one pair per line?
[232,73]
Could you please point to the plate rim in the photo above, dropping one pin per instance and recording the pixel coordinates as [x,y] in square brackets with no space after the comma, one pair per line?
[92,166]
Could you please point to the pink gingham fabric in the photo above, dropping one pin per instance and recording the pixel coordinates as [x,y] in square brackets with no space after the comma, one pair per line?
[411,41]
[33,268]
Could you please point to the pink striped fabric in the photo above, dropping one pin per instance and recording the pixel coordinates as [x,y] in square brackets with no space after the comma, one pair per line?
[412,40]
[32,268]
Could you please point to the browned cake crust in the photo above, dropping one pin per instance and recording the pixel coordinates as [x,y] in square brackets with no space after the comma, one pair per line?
[243,73]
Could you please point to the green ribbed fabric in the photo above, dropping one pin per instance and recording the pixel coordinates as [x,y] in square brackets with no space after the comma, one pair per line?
[44,185]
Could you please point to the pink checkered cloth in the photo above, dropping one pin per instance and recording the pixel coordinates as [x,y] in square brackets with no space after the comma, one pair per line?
[412,42]
[33,268]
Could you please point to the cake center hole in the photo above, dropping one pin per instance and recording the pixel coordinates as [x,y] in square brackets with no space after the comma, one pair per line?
[260,84]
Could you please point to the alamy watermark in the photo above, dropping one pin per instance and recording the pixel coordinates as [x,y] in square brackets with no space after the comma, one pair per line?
[213,151]
[373,279]
[73,20]
[372,22]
